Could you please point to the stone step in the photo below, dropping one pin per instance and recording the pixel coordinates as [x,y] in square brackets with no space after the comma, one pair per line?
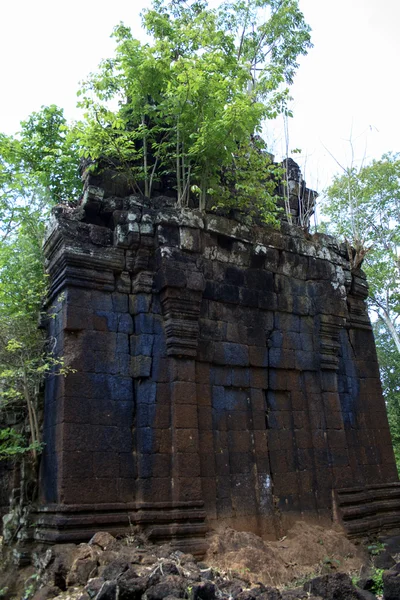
[372,509]
[182,525]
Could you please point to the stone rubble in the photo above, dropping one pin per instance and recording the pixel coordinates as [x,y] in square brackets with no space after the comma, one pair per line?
[133,569]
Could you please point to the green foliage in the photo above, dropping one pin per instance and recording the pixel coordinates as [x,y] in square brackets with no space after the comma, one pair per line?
[14,444]
[377,578]
[363,206]
[241,187]
[49,153]
[389,364]
[190,102]
[376,548]
[31,586]
[22,286]
[38,167]
[330,563]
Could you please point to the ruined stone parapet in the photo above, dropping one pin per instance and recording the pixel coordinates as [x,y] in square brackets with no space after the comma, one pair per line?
[225,374]
[298,201]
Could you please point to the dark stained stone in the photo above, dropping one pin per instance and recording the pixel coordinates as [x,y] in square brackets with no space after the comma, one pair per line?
[219,366]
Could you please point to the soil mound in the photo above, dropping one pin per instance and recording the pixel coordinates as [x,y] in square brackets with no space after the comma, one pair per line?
[306,550]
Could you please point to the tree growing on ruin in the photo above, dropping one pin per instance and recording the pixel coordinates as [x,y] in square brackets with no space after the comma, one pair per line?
[192,101]
[185,108]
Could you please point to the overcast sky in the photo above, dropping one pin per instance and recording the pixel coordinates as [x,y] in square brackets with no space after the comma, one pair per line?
[348,85]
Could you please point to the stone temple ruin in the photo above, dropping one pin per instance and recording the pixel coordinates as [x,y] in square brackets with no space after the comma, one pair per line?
[225,375]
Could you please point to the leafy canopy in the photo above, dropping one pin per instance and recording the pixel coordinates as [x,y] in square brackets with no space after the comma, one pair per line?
[363,206]
[389,364]
[191,102]
[38,168]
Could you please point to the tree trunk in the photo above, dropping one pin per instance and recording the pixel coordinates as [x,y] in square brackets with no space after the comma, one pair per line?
[384,316]
[33,425]
[145,165]
[178,166]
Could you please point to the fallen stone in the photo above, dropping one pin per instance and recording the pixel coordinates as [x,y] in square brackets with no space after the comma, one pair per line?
[366,595]
[168,567]
[270,594]
[62,559]
[108,591]
[171,585]
[365,583]
[84,566]
[208,573]
[186,558]
[231,587]
[192,571]
[246,595]
[258,589]
[131,587]
[94,585]
[46,592]
[203,591]
[391,584]
[103,540]
[384,560]
[115,569]
[337,586]
[164,551]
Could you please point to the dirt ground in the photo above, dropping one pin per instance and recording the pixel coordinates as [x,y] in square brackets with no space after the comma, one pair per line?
[307,550]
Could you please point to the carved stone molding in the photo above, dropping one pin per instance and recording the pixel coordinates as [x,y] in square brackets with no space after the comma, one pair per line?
[358,313]
[181,310]
[329,341]
[81,255]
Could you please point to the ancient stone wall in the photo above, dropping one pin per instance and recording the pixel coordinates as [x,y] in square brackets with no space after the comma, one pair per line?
[225,374]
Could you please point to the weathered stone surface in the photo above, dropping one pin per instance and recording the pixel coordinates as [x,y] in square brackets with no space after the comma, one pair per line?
[171,585]
[337,586]
[391,583]
[115,568]
[103,540]
[83,567]
[205,590]
[46,592]
[56,564]
[270,594]
[384,560]
[132,588]
[108,591]
[223,373]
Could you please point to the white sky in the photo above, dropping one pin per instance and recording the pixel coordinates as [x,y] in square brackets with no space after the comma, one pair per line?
[349,82]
